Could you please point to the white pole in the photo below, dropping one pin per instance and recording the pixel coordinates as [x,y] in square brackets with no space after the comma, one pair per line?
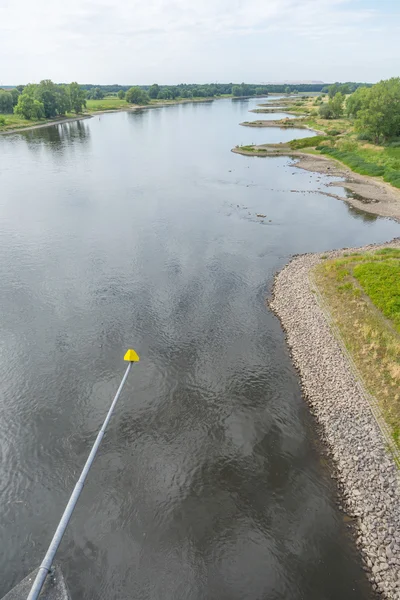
[46,565]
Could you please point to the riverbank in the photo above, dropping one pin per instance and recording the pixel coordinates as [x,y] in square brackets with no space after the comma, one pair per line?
[282,123]
[366,193]
[90,113]
[366,472]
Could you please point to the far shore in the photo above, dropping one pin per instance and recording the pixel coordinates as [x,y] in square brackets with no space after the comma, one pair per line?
[88,115]
[370,194]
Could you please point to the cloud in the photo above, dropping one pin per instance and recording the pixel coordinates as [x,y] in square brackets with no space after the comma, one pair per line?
[58,39]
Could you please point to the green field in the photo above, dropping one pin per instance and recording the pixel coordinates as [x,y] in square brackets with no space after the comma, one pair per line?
[362,292]
[107,103]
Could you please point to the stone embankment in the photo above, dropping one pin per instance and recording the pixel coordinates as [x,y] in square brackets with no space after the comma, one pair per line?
[367,473]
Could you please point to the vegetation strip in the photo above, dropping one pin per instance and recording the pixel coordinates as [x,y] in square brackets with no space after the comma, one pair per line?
[366,470]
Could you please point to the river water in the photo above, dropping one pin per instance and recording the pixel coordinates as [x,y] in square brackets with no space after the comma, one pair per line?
[140,229]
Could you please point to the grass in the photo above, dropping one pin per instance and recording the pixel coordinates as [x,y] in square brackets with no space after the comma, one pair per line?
[382,163]
[107,103]
[307,142]
[362,291]
[16,122]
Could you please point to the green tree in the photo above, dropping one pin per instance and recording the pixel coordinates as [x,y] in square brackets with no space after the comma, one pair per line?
[14,93]
[357,101]
[95,94]
[333,90]
[154,91]
[77,97]
[165,94]
[325,110]
[6,102]
[46,92]
[332,109]
[121,94]
[29,108]
[379,116]
[135,95]
[337,105]
[287,90]
[63,99]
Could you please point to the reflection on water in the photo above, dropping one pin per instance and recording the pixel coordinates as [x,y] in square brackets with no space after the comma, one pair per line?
[141,229]
[361,214]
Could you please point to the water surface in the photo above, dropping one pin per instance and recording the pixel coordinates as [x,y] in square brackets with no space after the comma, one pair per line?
[140,229]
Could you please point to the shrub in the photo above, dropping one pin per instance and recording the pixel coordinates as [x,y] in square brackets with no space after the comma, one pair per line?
[2,120]
[307,142]
[359,165]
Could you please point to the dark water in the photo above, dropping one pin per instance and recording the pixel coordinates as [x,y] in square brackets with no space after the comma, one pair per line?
[140,229]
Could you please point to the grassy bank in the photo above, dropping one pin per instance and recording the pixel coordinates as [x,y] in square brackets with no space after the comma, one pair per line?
[342,142]
[109,103]
[362,292]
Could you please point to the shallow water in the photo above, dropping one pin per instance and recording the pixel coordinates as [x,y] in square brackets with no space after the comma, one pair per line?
[140,229]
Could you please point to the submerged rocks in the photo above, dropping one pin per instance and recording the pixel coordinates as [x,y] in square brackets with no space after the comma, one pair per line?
[366,472]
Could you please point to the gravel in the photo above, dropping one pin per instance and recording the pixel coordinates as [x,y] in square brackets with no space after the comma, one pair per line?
[366,472]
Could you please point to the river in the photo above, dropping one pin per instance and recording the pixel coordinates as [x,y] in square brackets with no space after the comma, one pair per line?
[140,229]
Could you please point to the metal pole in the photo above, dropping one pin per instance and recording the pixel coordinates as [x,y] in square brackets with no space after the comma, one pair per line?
[45,567]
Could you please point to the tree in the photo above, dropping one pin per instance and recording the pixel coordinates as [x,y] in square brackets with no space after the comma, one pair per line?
[333,90]
[356,101]
[135,95]
[63,99]
[121,94]
[379,116]
[332,109]
[6,102]
[164,94]
[287,90]
[95,93]
[154,91]
[325,111]
[29,108]
[337,105]
[77,97]
[46,92]
[14,93]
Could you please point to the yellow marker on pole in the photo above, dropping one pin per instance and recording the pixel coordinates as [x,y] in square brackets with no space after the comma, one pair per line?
[45,568]
[131,356]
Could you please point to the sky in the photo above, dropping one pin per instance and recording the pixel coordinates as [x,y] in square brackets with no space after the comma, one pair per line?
[198,41]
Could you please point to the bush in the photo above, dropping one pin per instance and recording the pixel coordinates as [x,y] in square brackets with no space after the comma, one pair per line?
[334,132]
[307,142]
[393,143]
[364,137]
[2,120]
[359,165]
[325,111]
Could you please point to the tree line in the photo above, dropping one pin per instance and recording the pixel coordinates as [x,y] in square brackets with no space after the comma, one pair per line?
[374,109]
[195,90]
[44,100]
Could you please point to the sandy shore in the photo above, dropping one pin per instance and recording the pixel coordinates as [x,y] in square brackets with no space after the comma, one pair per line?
[369,194]
[366,472]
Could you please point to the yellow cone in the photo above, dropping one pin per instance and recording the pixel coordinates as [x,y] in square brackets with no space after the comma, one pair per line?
[131,356]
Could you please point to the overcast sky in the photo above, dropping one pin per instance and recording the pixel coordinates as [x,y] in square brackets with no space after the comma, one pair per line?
[173,41]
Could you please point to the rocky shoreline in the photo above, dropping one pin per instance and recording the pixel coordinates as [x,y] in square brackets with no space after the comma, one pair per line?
[365,470]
